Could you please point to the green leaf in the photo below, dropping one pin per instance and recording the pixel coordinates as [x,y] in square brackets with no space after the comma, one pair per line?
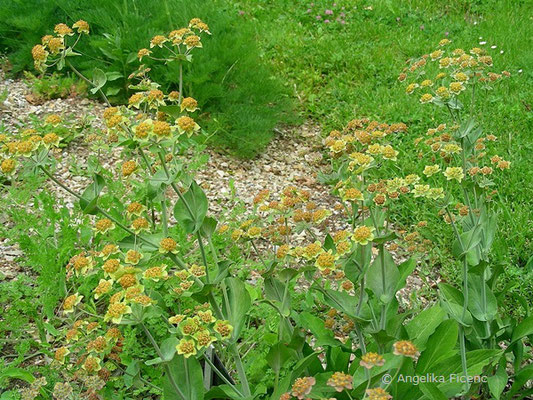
[342,301]
[405,269]
[357,264]
[476,360]
[452,301]
[374,277]
[524,328]
[431,391]
[173,111]
[113,75]
[187,375]
[275,291]
[323,336]
[424,324]
[99,80]
[17,373]
[224,392]
[278,355]
[520,379]
[208,227]
[192,209]
[360,374]
[467,245]
[132,372]
[239,305]
[483,311]
[457,312]
[296,371]
[440,345]
[498,381]
[168,348]
[90,195]
[157,183]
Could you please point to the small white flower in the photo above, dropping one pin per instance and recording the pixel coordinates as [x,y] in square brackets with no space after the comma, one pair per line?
[483,42]
[493,47]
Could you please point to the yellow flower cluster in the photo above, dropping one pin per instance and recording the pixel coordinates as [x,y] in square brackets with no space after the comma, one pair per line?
[451,72]
[199,329]
[18,145]
[179,42]
[444,142]
[54,45]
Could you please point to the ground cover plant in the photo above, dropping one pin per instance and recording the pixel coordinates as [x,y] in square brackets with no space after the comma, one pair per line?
[147,293]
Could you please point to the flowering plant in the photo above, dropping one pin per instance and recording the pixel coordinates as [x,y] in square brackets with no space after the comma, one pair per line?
[155,273]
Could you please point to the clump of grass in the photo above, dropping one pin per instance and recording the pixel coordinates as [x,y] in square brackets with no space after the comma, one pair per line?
[242,99]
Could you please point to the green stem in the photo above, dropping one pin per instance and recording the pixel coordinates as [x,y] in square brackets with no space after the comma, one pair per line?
[258,254]
[222,376]
[180,88]
[465,286]
[240,370]
[462,347]
[89,82]
[167,368]
[164,217]
[384,285]
[202,251]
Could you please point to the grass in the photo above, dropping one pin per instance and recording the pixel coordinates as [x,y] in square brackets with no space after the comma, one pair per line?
[241,101]
[344,71]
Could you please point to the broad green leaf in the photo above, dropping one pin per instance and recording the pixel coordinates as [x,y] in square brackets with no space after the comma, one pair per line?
[208,227]
[17,373]
[469,240]
[357,264]
[323,336]
[476,361]
[383,276]
[157,183]
[191,210]
[392,362]
[239,305]
[276,291]
[457,312]
[431,391]
[224,392]
[296,371]
[424,324]
[278,355]
[344,302]
[173,110]
[440,345]
[168,348]
[405,269]
[520,379]
[99,80]
[113,75]
[498,381]
[524,328]
[90,195]
[132,373]
[187,374]
[451,293]
[452,301]
[481,310]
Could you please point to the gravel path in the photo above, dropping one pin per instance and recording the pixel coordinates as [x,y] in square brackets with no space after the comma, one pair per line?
[292,158]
